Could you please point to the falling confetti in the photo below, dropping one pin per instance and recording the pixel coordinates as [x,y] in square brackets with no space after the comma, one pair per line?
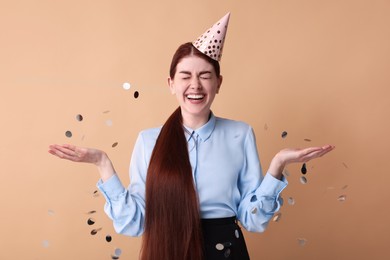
[291,201]
[108,238]
[91,212]
[114,144]
[303,169]
[45,243]
[342,198]
[303,180]
[126,86]
[79,118]
[284,134]
[109,122]
[302,241]
[307,140]
[91,221]
[254,210]
[68,134]
[345,165]
[277,217]
[344,187]
[136,94]
[106,112]
[95,231]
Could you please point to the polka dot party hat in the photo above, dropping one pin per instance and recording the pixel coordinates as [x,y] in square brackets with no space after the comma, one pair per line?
[211,42]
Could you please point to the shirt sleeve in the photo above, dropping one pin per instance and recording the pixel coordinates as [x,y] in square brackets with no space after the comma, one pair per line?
[260,195]
[126,207]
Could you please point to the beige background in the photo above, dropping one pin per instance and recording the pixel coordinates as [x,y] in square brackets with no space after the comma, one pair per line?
[316,69]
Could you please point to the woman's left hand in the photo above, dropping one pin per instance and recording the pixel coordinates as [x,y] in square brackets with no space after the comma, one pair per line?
[289,155]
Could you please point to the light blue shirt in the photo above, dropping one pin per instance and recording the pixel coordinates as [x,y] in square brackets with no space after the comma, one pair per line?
[227,176]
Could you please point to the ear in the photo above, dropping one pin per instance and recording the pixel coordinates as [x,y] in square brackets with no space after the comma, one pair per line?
[170,85]
[219,83]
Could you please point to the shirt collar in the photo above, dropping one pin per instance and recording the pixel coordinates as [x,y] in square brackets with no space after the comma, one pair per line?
[204,131]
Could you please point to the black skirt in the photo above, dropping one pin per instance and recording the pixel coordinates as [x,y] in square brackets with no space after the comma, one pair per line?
[223,239]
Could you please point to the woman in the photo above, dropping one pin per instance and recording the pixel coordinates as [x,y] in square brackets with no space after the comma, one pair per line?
[195,177]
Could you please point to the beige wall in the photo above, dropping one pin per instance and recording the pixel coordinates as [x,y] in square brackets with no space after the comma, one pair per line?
[316,69]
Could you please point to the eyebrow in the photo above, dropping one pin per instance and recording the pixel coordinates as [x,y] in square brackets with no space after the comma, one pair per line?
[200,73]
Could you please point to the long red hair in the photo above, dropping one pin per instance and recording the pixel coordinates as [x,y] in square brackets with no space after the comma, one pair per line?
[172,217]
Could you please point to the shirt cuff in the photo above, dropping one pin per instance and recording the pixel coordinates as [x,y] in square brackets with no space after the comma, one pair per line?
[272,187]
[111,188]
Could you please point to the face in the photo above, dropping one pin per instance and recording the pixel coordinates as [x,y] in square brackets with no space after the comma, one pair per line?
[195,85]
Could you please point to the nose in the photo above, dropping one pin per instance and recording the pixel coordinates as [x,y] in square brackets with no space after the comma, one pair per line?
[195,83]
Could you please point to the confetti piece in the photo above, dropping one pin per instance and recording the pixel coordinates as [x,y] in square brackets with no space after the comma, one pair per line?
[254,210]
[126,86]
[91,221]
[284,134]
[79,118]
[136,94]
[106,112]
[109,122]
[118,252]
[95,231]
[303,169]
[291,201]
[303,180]
[45,243]
[342,198]
[344,187]
[307,140]
[68,134]
[114,144]
[108,238]
[91,212]
[277,217]
[302,241]
[96,193]
[346,166]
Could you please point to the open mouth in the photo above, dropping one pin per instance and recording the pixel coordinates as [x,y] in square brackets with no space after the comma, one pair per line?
[195,96]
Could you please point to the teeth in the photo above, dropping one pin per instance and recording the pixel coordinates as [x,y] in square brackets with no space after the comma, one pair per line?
[195,96]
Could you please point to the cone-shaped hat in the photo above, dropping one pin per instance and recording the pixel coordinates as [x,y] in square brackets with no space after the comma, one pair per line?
[211,41]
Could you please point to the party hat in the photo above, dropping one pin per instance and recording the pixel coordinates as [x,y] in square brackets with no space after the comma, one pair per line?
[211,42]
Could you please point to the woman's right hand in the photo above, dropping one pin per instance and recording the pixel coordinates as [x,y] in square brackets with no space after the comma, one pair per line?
[87,155]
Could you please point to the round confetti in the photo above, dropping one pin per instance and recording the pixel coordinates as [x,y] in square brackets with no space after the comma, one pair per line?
[79,117]
[342,198]
[254,210]
[277,217]
[91,212]
[68,134]
[136,94]
[91,221]
[109,122]
[303,169]
[126,86]
[291,201]
[302,241]
[303,180]
[108,238]
[114,257]
[118,251]
[95,231]
[284,134]
[219,246]
[114,144]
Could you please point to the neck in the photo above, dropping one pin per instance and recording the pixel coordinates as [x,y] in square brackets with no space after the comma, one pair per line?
[195,121]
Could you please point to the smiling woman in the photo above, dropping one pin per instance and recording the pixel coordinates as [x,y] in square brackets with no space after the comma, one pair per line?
[195,177]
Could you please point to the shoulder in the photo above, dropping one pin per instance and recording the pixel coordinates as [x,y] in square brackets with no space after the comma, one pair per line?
[150,134]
